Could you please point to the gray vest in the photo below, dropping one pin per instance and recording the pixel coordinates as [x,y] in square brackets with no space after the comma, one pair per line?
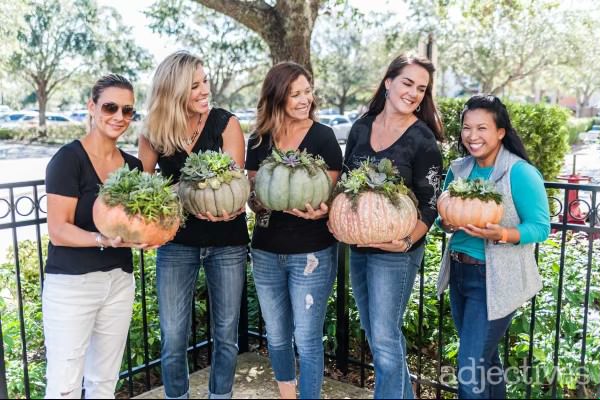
[512,276]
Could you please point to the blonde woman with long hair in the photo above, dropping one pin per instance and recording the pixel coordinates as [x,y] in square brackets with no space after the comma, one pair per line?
[180,121]
[294,257]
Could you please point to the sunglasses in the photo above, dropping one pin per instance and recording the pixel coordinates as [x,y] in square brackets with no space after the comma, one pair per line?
[111,108]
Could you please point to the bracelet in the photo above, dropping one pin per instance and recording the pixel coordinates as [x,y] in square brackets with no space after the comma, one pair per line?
[409,242]
[99,240]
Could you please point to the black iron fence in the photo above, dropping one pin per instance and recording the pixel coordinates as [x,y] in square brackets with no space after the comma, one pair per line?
[557,332]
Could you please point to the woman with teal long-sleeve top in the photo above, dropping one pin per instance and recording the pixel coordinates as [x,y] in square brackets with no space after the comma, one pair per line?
[492,271]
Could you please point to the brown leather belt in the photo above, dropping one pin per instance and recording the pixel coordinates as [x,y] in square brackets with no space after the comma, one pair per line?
[465,259]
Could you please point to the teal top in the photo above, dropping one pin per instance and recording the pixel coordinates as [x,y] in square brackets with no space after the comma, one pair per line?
[531,202]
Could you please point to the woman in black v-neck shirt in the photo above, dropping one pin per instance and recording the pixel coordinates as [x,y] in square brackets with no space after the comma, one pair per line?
[180,122]
[88,288]
[402,124]
[294,257]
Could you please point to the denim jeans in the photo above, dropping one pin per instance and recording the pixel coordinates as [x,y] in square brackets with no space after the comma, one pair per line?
[177,270]
[382,284]
[480,374]
[293,290]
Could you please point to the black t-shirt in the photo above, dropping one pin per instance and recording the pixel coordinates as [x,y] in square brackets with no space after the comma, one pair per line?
[281,233]
[197,232]
[417,156]
[70,173]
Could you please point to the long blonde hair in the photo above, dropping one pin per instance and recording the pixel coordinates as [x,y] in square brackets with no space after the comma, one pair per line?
[270,113]
[166,125]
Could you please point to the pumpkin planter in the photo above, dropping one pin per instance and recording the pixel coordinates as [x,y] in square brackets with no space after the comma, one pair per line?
[211,182]
[470,202]
[290,180]
[372,205]
[138,207]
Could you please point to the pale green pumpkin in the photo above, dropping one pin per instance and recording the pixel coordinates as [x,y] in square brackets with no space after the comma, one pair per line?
[290,180]
[211,182]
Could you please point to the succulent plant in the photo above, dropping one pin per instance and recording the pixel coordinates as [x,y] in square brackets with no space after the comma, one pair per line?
[481,189]
[297,158]
[209,168]
[381,177]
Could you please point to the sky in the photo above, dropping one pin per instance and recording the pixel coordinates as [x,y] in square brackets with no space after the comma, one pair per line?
[161,46]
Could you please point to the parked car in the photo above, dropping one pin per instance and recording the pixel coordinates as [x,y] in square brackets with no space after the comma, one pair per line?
[26,119]
[339,123]
[79,115]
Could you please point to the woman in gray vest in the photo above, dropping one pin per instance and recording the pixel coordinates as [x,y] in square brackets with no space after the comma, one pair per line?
[492,271]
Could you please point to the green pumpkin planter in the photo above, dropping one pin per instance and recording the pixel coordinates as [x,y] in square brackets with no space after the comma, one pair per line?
[211,182]
[292,179]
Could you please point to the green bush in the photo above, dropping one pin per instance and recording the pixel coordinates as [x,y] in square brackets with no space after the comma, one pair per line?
[424,342]
[61,134]
[577,125]
[543,129]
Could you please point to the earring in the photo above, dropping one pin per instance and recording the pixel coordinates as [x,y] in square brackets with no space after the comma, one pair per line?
[418,108]
[387,93]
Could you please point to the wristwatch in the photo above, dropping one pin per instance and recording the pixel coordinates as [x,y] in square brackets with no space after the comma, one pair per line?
[409,242]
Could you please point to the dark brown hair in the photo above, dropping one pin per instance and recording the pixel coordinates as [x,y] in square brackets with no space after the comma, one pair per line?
[108,81]
[270,112]
[427,112]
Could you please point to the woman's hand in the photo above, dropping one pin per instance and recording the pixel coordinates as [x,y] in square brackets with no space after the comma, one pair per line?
[395,246]
[448,228]
[118,242]
[490,232]
[310,212]
[226,216]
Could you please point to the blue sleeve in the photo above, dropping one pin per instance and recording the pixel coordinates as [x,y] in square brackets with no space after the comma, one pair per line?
[531,202]
[447,181]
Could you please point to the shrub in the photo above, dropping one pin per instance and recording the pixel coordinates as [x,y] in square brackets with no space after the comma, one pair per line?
[577,125]
[61,134]
[543,129]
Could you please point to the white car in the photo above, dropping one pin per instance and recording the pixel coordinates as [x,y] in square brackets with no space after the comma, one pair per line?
[339,123]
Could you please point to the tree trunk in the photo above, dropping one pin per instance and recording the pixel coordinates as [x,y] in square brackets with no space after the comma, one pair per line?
[286,27]
[42,96]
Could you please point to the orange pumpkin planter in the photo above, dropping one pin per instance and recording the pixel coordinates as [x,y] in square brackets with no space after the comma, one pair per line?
[138,207]
[470,202]
[372,206]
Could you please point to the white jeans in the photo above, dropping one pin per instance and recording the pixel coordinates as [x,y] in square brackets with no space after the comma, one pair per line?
[86,319]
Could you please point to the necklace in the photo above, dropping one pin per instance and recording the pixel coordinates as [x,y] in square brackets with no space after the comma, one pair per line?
[189,140]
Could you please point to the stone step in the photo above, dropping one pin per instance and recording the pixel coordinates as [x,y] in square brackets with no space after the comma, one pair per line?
[254,380]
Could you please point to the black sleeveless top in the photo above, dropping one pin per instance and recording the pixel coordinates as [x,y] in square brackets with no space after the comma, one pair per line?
[197,232]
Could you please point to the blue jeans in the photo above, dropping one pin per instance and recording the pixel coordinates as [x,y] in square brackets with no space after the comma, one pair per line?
[293,290]
[177,270]
[382,284]
[480,373]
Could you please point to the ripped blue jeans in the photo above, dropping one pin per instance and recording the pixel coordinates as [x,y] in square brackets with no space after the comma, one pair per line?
[293,290]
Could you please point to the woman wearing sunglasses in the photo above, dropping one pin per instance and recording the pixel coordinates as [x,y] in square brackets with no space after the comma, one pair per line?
[89,287]
[179,122]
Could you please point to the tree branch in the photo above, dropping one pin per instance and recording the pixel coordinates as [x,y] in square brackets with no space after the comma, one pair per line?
[253,14]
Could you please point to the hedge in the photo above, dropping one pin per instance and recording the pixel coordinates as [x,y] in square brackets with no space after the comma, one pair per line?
[542,127]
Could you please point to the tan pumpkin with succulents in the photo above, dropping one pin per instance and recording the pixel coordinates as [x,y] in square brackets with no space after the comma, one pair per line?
[138,207]
[473,202]
[372,205]
[292,179]
[210,182]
